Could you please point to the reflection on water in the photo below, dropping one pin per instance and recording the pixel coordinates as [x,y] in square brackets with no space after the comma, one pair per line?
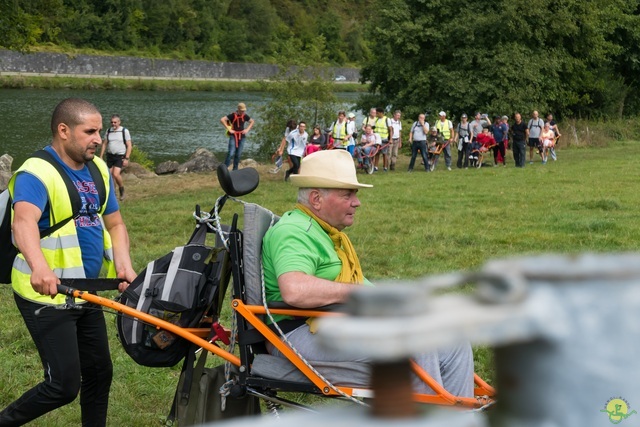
[166,125]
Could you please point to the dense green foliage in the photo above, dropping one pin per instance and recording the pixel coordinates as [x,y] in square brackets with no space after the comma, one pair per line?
[276,31]
[310,101]
[576,58]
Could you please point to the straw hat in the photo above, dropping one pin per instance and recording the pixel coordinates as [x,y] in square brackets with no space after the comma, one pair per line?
[327,169]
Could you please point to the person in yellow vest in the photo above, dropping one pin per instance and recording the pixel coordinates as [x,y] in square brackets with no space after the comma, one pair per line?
[382,127]
[445,128]
[369,120]
[72,344]
[309,261]
[339,131]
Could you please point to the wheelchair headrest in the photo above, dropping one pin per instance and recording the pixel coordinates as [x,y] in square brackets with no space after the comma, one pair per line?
[238,182]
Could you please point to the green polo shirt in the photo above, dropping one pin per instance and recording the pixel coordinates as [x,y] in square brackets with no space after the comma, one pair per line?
[297,243]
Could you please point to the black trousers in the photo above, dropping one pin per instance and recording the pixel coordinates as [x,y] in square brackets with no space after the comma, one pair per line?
[463,155]
[500,148]
[519,153]
[295,168]
[74,351]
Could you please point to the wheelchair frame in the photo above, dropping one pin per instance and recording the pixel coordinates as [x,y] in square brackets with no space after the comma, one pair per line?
[369,168]
[211,335]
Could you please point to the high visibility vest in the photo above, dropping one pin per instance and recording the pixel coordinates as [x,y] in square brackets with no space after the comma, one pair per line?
[444,128]
[339,133]
[61,249]
[381,127]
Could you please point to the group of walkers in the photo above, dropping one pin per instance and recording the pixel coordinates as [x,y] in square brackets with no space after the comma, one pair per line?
[379,136]
[481,136]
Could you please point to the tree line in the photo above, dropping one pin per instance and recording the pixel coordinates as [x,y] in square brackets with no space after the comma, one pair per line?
[307,32]
[575,58]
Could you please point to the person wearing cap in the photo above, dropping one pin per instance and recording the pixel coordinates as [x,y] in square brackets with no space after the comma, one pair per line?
[352,133]
[463,136]
[396,139]
[235,125]
[499,130]
[505,120]
[309,262]
[445,128]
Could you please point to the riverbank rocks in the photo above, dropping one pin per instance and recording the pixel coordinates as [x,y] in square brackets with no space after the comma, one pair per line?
[5,170]
[136,170]
[202,160]
[249,163]
[168,167]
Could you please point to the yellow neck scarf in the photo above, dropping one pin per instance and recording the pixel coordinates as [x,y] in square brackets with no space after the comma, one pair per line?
[351,271]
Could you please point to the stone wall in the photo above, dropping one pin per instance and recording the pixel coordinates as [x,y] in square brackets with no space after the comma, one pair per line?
[123,66]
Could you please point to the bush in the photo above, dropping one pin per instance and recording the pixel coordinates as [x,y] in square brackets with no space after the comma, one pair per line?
[597,133]
[140,157]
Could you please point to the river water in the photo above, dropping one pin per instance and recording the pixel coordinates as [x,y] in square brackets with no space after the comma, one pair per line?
[167,125]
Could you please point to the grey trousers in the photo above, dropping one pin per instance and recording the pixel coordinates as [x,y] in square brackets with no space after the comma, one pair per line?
[452,368]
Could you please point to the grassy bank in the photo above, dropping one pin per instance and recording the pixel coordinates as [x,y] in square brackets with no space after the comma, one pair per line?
[148,84]
[409,225]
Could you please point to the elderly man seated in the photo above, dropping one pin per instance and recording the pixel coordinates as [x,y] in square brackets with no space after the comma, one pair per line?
[310,262]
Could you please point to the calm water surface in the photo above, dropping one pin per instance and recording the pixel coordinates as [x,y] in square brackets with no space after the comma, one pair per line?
[166,125]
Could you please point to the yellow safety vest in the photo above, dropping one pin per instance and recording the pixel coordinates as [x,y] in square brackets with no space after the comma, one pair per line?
[61,249]
[444,128]
[340,133]
[381,127]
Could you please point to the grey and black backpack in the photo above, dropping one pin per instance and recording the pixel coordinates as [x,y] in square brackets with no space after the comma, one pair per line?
[179,287]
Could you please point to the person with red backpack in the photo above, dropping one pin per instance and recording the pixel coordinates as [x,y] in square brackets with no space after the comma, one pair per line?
[234,123]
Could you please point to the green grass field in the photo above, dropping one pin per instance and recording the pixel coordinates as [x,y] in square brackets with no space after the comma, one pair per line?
[409,225]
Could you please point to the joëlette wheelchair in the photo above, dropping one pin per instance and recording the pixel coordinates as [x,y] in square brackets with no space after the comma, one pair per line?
[252,370]
[365,160]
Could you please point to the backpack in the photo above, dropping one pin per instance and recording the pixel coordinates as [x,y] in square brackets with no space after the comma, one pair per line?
[124,138]
[536,124]
[238,119]
[8,251]
[179,288]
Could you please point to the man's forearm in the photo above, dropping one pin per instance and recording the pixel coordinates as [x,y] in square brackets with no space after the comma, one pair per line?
[305,291]
[27,238]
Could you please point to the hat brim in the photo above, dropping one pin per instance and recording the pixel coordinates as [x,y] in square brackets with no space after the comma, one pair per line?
[306,181]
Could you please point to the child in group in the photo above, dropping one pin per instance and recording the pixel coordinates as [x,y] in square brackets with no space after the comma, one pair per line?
[481,145]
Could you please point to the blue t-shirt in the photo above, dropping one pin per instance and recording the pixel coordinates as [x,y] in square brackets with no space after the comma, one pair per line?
[30,189]
[499,131]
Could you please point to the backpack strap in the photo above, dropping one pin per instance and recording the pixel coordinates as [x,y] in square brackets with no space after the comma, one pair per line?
[74,196]
[96,175]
